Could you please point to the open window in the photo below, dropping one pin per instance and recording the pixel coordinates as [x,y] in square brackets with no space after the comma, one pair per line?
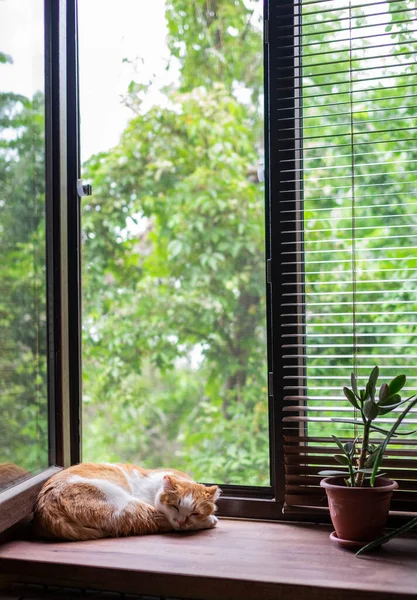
[343,167]
[174,292]
[38,157]
[221,315]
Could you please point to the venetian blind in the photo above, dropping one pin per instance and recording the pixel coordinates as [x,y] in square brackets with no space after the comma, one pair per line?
[349,239]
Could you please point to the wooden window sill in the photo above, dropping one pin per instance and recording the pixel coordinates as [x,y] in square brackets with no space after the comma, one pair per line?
[245,560]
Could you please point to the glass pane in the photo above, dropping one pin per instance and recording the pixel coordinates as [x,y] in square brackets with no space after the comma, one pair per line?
[23,383]
[174,316]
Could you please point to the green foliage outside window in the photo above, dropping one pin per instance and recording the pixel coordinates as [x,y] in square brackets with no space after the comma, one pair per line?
[23,402]
[174,339]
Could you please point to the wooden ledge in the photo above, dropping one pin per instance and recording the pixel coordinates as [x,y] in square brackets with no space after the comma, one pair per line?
[18,501]
[245,560]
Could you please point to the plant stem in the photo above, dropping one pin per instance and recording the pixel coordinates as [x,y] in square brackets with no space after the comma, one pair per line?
[362,458]
[404,529]
[351,475]
[389,435]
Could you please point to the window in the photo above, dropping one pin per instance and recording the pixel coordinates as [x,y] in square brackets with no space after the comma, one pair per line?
[37,193]
[174,294]
[23,354]
[346,200]
[197,351]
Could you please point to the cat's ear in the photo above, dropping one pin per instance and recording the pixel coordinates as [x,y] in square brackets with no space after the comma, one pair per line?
[213,492]
[168,483]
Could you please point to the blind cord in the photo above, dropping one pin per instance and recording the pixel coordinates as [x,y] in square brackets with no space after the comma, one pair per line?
[353,234]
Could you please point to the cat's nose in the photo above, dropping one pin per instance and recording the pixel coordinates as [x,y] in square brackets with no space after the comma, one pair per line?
[181,523]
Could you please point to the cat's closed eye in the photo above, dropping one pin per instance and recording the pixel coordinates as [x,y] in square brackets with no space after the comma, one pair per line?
[195,514]
[176,507]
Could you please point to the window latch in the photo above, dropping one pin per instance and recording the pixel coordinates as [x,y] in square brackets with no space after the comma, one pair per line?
[84,189]
[269,270]
[261,171]
[270,383]
[266,31]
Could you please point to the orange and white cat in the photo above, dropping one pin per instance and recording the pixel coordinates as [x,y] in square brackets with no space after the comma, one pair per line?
[91,501]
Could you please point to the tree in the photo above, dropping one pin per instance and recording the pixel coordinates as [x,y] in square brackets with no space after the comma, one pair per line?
[192,282]
[181,302]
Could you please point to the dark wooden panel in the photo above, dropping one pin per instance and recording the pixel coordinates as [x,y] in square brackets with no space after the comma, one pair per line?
[17,502]
[237,560]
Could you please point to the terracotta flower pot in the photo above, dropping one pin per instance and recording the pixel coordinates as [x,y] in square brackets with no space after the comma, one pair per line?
[359,514]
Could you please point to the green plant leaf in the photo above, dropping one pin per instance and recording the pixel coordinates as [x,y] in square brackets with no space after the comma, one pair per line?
[397,384]
[370,409]
[366,470]
[338,442]
[387,409]
[379,429]
[368,473]
[392,534]
[351,397]
[397,404]
[342,459]
[391,399]
[349,448]
[371,458]
[384,393]
[378,460]
[371,385]
[343,420]
[330,473]
[389,405]
[394,435]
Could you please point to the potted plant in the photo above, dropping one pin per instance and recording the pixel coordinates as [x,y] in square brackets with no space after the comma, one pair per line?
[359,495]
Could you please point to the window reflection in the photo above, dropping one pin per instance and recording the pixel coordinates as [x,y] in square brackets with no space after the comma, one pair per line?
[23,383]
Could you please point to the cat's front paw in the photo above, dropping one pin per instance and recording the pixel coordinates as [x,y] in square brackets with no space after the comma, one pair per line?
[212,521]
[208,523]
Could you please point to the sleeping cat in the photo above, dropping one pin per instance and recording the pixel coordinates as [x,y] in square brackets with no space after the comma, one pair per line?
[91,501]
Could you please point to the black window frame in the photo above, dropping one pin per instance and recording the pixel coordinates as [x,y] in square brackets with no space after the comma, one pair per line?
[63,230]
[62,256]
[282,20]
